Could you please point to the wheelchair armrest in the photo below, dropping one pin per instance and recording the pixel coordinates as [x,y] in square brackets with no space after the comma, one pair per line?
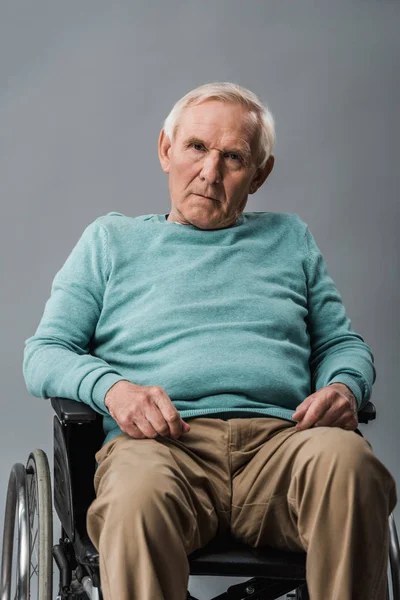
[72,411]
[368,413]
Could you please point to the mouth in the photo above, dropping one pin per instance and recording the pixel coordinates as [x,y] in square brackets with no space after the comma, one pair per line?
[208,197]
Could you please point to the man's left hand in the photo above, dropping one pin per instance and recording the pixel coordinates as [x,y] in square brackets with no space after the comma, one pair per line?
[332,406]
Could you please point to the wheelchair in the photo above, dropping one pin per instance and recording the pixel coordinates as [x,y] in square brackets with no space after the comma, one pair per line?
[78,434]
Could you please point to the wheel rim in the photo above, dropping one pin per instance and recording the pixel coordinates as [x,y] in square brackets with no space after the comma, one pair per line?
[15,554]
[34,530]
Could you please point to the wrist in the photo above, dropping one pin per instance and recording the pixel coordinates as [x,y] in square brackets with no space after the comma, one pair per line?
[110,392]
[343,387]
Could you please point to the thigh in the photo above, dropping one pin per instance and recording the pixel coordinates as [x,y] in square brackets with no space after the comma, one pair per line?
[263,503]
[131,473]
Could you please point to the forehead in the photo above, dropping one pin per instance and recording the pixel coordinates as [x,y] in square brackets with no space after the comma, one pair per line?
[218,121]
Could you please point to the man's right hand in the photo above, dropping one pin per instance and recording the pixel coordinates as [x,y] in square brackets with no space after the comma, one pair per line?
[144,411]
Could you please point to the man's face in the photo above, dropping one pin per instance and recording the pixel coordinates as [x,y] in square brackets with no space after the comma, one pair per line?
[211,165]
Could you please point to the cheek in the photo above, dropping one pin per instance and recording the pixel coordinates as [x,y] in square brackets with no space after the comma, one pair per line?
[184,173]
[235,188]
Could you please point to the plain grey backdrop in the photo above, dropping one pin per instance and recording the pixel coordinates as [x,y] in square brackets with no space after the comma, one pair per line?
[85,87]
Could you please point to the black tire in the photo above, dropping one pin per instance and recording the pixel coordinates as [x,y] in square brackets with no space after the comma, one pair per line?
[40,507]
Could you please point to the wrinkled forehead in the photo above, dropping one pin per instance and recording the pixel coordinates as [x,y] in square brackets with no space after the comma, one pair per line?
[229,120]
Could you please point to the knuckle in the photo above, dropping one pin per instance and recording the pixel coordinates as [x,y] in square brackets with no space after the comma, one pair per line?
[156,389]
[147,399]
[124,422]
[173,417]
[134,409]
[340,404]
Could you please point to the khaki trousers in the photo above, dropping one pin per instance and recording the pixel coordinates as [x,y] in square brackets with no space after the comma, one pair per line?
[321,490]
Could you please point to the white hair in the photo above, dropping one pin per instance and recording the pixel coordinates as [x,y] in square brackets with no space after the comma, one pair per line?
[260,115]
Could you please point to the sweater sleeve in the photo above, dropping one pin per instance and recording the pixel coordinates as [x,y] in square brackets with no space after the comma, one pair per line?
[338,353]
[56,359]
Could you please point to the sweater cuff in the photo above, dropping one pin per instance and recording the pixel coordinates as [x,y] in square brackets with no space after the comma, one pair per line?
[101,388]
[352,385]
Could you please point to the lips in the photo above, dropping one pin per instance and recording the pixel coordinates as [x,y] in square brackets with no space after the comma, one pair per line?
[208,197]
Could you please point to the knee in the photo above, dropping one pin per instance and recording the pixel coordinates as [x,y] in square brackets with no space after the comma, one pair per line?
[349,457]
[142,503]
[134,486]
[123,493]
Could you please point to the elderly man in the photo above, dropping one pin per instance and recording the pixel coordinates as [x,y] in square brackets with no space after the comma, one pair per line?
[217,347]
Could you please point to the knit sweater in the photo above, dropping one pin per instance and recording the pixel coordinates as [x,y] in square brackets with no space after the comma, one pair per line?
[237,322]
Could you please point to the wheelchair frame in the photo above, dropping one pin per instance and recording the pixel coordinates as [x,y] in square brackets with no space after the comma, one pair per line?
[78,434]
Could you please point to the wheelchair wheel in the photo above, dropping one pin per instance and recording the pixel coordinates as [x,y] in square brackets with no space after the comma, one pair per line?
[26,567]
[394,559]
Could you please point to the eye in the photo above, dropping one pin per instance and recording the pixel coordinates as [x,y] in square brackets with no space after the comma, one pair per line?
[238,157]
[232,155]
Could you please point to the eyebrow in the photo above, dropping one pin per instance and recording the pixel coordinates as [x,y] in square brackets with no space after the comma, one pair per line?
[240,150]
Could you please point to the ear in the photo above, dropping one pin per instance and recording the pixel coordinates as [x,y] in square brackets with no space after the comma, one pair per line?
[164,149]
[261,175]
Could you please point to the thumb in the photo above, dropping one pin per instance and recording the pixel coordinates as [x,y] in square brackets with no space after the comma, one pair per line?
[185,425]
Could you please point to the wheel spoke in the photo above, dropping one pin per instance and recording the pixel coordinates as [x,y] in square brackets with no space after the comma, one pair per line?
[34,531]
[40,520]
[34,570]
[32,498]
[33,546]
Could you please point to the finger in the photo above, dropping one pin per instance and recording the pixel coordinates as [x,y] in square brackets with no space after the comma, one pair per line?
[331,416]
[345,420]
[349,423]
[133,431]
[157,420]
[302,409]
[148,417]
[127,424]
[170,415]
[144,425]
[315,413]
[185,426]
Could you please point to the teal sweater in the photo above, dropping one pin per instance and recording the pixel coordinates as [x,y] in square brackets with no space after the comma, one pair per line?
[242,321]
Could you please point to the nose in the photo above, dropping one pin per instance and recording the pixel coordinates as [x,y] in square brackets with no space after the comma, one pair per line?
[211,169]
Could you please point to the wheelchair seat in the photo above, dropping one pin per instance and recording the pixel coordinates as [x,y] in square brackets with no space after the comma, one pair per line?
[227,556]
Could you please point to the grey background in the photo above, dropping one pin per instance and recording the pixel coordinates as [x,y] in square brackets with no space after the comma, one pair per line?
[85,87]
